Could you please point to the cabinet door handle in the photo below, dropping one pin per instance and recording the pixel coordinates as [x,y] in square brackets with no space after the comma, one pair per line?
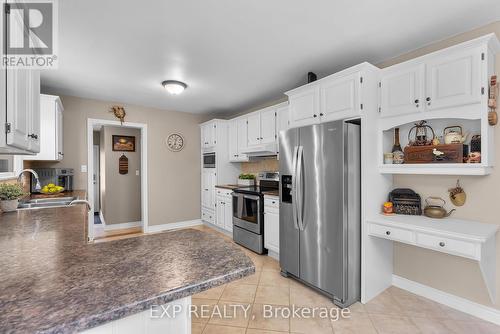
[60,153]
[442,244]
[416,101]
[273,202]
[315,115]
[428,99]
[388,232]
[321,114]
[33,136]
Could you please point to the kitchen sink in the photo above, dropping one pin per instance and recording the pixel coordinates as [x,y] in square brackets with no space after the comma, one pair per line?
[40,203]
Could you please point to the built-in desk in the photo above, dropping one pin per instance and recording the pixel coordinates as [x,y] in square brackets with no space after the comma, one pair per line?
[457,237]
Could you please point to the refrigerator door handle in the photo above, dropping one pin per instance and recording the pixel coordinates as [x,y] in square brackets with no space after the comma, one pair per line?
[294,188]
[300,190]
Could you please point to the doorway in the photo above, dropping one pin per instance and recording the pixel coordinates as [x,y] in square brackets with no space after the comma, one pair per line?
[116,178]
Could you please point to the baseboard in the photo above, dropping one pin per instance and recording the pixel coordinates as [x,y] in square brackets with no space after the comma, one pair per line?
[173,226]
[478,310]
[120,226]
[274,255]
[218,229]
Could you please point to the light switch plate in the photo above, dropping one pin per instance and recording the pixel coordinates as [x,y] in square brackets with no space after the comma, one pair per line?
[137,172]
[83,169]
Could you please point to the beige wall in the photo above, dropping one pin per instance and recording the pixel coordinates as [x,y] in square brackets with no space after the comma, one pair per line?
[121,192]
[174,178]
[445,272]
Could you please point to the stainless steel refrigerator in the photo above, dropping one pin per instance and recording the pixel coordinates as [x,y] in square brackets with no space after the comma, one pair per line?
[320,209]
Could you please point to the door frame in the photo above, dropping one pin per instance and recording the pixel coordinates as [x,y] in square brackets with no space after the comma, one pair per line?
[97,199]
[93,123]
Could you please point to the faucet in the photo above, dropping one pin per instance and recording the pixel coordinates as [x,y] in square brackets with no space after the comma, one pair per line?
[81,201]
[21,174]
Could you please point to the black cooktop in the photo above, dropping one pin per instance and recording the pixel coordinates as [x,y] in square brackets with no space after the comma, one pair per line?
[254,190]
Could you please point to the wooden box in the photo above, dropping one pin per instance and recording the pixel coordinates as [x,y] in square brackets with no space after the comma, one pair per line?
[452,153]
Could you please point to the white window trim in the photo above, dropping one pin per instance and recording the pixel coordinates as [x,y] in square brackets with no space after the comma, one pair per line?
[18,167]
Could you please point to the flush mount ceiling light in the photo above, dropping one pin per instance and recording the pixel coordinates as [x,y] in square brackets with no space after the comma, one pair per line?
[174,87]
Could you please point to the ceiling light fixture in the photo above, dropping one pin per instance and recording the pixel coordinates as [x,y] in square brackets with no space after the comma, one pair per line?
[174,87]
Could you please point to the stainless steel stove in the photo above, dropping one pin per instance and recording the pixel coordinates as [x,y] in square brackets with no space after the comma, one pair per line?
[248,212]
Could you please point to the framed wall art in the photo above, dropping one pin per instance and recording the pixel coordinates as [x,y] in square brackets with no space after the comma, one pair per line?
[123,143]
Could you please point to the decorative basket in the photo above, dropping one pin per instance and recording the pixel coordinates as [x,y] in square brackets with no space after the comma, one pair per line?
[246,182]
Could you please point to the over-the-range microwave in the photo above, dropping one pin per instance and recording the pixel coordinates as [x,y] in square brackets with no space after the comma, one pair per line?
[209,160]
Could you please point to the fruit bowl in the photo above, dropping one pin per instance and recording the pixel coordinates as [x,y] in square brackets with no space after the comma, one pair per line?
[51,189]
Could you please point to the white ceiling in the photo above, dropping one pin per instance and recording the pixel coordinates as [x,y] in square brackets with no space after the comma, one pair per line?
[237,54]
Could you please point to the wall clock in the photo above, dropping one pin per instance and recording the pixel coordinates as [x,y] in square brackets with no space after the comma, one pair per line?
[175,142]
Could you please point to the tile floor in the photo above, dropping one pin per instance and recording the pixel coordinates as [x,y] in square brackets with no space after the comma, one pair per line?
[393,311]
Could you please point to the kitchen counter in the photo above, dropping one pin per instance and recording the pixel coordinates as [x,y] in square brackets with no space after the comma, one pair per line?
[272,193]
[80,194]
[52,281]
[228,186]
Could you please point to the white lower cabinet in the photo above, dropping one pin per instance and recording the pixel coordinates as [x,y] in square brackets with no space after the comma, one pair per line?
[224,219]
[272,224]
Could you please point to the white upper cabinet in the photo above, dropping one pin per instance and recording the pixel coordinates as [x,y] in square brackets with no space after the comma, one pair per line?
[234,139]
[20,108]
[401,90]
[268,126]
[282,118]
[304,107]
[253,121]
[242,134]
[209,135]
[51,143]
[340,97]
[453,79]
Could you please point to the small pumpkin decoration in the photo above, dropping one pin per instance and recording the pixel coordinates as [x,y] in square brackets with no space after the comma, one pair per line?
[119,113]
[457,195]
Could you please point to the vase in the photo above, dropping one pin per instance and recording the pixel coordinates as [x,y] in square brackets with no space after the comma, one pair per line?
[9,205]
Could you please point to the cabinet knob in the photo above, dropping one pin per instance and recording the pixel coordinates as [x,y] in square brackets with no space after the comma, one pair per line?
[321,114]
[315,115]
[274,202]
[428,99]
[416,101]
[388,232]
[442,244]
[60,153]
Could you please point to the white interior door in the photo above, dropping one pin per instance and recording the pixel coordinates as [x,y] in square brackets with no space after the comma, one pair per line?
[97,188]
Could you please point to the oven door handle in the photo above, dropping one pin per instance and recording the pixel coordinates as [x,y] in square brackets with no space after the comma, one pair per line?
[252,197]
[294,188]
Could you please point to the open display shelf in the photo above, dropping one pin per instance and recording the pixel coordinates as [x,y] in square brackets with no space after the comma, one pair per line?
[459,237]
[470,127]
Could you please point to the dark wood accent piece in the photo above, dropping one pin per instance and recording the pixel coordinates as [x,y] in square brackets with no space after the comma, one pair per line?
[453,153]
[123,165]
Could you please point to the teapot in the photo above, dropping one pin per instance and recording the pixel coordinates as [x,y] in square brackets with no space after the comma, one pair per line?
[454,135]
[436,211]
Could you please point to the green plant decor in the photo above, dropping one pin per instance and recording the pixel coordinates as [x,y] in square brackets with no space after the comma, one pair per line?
[246,177]
[11,191]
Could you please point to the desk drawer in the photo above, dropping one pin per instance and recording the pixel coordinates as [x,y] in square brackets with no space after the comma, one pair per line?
[392,233]
[448,245]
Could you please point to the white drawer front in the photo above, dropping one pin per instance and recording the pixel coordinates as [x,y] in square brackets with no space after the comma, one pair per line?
[208,216]
[272,201]
[392,233]
[223,192]
[447,245]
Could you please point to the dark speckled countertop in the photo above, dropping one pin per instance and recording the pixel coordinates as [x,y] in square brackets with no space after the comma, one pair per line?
[52,281]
